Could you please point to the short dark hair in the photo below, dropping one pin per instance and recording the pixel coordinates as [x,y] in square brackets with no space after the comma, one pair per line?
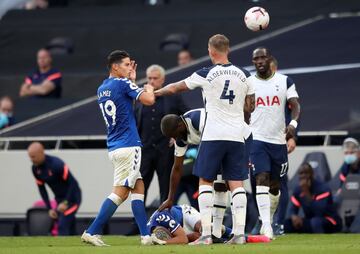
[116,56]
[169,125]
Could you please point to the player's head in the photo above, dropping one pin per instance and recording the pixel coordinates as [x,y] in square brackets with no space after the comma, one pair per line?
[119,64]
[155,75]
[184,57]
[273,64]
[306,172]
[218,47]
[261,59]
[36,153]
[351,151]
[173,126]
[44,59]
[162,233]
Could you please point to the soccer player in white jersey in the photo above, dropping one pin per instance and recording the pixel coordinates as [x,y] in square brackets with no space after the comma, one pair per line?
[115,97]
[227,93]
[268,150]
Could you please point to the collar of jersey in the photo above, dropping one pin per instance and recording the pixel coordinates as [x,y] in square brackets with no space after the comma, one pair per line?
[265,78]
[224,65]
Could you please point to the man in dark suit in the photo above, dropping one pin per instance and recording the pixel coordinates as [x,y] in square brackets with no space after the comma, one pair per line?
[158,150]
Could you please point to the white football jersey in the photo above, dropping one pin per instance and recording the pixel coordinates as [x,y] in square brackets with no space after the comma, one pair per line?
[224,89]
[268,119]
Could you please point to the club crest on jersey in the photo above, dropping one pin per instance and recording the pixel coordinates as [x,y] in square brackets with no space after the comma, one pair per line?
[268,101]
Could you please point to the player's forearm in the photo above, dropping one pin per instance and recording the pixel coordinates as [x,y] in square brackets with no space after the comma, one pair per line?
[44,195]
[249,103]
[171,89]
[176,174]
[181,239]
[295,109]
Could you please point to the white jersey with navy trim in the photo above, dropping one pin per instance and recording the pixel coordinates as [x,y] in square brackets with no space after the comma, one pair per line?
[268,119]
[224,89]
[194,120]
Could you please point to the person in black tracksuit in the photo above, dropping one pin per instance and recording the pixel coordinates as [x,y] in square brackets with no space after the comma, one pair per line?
[55,173]
[315,199]
[158,150]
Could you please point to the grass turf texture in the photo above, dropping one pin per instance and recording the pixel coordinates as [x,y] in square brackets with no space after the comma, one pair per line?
[304,244]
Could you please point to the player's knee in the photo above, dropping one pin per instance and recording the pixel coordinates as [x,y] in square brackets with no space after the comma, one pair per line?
[220,186]
[274,187]
[263,179]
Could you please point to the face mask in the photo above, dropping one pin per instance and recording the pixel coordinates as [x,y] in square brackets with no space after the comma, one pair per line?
[350,158]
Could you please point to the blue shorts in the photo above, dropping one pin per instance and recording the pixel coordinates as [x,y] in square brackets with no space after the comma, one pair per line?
[267,157]
[229,156]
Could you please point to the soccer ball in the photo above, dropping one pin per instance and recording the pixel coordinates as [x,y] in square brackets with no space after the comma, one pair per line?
[257,18]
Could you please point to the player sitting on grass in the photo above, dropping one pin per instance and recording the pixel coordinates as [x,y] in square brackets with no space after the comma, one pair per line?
[181,224]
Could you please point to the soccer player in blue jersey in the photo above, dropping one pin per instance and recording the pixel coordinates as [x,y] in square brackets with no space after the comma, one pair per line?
[115,97]
[55,173]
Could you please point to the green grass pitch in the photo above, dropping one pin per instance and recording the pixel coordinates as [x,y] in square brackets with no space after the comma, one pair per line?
[290,244]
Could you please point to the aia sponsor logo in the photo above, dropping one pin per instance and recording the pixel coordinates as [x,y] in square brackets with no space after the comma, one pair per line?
[268,101]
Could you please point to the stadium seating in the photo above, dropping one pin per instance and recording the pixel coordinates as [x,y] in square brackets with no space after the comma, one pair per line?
[350,203]
[38,221]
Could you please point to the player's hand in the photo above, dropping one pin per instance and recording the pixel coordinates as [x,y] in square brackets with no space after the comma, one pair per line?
[297,221]
[148,88]
[171,142]
[53,214]
[290,132]
[132,75]
[62,207]
[166,204]
[291,145]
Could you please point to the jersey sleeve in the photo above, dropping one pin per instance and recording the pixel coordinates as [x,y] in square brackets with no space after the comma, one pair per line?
[132,90]
[291,89]
[251,89]
[180,148]
[55,77]
[197,79]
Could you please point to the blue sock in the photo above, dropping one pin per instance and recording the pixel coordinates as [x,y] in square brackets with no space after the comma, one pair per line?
[107,210]
[138,209]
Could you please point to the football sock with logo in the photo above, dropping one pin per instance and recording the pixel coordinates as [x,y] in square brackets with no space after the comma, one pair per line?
[138,209]
[205,200]
[239,202]
[107,210]
[263,202]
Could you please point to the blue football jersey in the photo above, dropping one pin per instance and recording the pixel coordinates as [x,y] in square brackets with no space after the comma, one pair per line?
[165,219]
[115,98]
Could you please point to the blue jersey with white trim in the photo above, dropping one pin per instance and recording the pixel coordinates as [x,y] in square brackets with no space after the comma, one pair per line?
[115,98]
[165,219]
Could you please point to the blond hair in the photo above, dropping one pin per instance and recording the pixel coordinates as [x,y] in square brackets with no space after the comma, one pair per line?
[220,43]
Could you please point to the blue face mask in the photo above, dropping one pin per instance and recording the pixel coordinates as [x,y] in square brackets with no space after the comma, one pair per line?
[350,158]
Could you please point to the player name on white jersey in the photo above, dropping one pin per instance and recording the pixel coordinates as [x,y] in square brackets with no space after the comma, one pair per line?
[224,90]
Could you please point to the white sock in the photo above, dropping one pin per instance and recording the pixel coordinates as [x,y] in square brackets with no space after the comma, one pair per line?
[218,211]
[205,200]
[232,217]
[274,202]
[263,202]
[115,198]
[239,201]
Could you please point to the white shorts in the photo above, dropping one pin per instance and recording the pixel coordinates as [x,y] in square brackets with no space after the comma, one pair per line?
[190,217]
[126,163]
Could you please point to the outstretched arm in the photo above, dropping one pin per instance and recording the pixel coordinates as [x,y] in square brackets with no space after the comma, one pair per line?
[171,89]
[295,115]
[176,173]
